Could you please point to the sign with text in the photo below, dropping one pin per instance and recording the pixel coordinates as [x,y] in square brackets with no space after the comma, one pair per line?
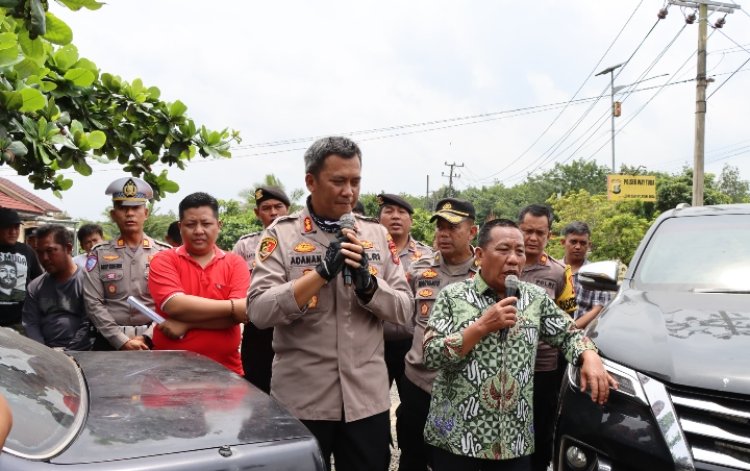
[631,187]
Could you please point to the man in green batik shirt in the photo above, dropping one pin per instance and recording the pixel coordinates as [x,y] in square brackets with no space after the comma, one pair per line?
[483,345]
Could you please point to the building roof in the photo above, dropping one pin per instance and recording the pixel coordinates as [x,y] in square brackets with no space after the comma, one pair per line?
[14,197]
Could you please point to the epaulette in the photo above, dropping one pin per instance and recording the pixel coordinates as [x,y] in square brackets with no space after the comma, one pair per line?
[100,244]
[252,234]
[366,218]
[427,260]
[555,261]
[283,219]
[163,244]
[423,245]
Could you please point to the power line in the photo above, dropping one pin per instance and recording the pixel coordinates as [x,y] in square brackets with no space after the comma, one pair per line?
[738,68]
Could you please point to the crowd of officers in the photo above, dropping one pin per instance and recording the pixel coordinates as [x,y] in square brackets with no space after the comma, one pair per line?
[335,313]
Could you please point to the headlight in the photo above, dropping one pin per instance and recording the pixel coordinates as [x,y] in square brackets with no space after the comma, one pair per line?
[627,378]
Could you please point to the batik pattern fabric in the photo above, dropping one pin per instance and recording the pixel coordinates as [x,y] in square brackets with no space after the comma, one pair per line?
[482,403]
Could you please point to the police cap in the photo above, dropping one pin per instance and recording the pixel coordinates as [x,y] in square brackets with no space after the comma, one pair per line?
[387,198]
[453,210]
[130,191]
[263,193]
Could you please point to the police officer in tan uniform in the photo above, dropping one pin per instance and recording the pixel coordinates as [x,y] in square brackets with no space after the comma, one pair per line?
[454,261]
[535,222]
[118,268]
[327,294]
[257,352]
[395,214]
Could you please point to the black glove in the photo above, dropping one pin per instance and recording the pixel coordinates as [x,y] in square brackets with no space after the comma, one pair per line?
[364,282]
[332,263]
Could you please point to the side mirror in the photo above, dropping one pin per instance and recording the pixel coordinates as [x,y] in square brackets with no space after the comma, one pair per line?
[600,276]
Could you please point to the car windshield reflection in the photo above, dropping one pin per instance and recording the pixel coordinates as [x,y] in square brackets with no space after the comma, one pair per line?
[46,393]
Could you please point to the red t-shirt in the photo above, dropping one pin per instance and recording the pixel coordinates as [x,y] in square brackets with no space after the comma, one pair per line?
[225,277]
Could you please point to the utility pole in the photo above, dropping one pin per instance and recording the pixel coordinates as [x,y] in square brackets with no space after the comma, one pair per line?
[452,175]
[699,146]
[427,195]
[611,72]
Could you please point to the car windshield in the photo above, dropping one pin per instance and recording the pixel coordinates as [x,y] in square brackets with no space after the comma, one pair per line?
[46,394]
[699,254]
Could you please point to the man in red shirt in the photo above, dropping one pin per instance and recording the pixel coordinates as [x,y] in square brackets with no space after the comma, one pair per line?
[199,288]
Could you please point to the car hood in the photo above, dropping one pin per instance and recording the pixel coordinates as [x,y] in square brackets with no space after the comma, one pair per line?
[153,403]
[697,340]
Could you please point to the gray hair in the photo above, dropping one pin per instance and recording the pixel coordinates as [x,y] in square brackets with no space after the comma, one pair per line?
[317,153]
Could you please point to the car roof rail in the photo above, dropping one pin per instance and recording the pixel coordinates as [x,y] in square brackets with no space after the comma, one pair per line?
[682,206]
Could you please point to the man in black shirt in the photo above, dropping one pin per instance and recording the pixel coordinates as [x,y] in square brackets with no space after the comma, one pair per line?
[18,266]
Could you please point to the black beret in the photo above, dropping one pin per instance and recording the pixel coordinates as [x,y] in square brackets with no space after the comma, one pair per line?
[387,198]
[453,210]
[263,193]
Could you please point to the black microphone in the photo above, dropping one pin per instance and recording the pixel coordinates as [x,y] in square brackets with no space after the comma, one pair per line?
[511,290]
[346,221]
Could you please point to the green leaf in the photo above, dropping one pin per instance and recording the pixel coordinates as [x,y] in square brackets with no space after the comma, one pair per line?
[66,56]
[58,32]
[168,186]
[64,183]
[82,167]
[32,48]
[18,149]
[26,68]
[8,4]
[9,56]
[97,139]
[8,40]
[177,109]
[13,100]
[80,77]
[76,5]
[33,100]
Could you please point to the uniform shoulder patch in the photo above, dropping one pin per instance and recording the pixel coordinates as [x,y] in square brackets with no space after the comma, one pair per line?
[162,244]
[366,218]
[266,247]
[393,250]
[283,220]
[91,262]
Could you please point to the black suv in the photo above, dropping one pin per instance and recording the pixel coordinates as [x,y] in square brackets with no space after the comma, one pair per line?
[677,338]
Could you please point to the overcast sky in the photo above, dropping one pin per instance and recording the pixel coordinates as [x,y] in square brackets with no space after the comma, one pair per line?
[290,70]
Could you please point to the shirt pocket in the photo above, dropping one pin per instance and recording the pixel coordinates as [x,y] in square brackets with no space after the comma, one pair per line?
[424,299]
[321,301]
[114,284]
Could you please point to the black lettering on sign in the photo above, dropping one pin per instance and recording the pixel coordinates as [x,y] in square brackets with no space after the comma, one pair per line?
[299,260]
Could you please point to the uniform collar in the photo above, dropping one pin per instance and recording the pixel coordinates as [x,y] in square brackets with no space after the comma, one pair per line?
[218,253]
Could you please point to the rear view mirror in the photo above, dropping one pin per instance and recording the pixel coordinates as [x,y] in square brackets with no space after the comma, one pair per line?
[600,276]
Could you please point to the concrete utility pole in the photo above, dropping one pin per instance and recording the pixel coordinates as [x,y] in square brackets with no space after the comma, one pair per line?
[611,72]
[703,7]
[452,175]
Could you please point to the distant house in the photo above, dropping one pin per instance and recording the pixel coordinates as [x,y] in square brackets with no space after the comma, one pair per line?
[33,210]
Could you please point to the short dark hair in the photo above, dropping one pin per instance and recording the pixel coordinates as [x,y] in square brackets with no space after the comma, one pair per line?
[88,229]
[317,153]
[197,200]
[173,232]
[577,228]
[61,235]
[537,210]
[483,239]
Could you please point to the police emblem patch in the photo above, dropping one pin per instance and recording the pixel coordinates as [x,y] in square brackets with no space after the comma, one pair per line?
[373,271]
[429,274]
[304,247]
[424,309]
[367,244]
[91,262]
[109,258]
[258,194]
[129,189]
[308,224]
[425,293]
[266,247]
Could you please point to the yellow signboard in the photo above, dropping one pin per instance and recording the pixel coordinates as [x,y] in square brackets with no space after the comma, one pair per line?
[631,187]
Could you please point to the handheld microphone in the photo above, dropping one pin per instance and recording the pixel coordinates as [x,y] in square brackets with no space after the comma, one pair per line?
[346,221]
[511,286]
[511,289]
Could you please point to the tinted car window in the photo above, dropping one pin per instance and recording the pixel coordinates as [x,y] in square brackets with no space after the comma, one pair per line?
[45,392]
[697,254]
